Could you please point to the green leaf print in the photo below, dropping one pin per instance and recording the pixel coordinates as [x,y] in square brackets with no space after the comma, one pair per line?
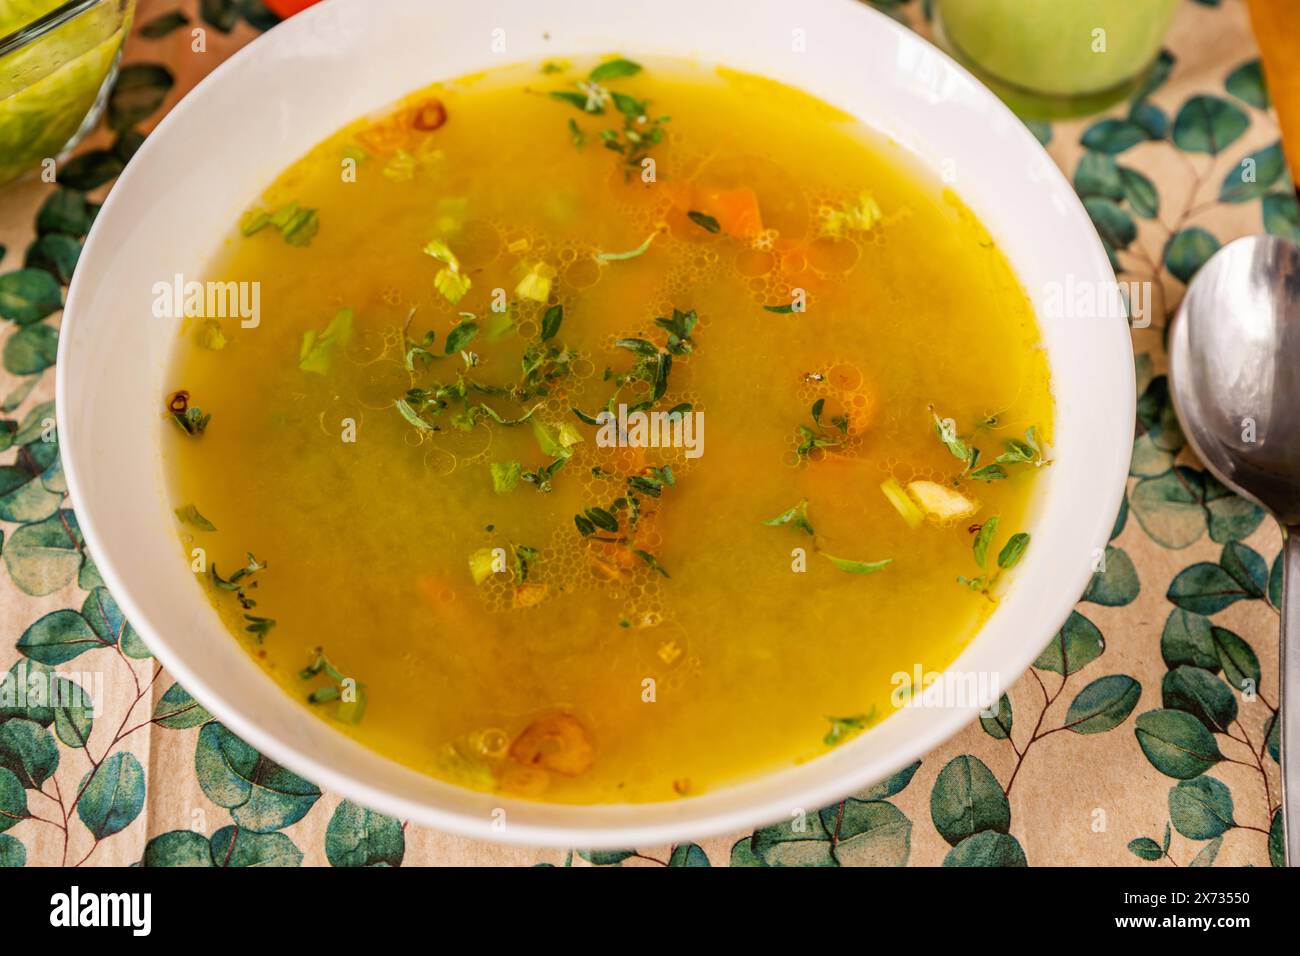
[360,837]
[260,794]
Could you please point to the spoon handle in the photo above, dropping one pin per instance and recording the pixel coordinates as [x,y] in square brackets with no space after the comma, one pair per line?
[1289,705]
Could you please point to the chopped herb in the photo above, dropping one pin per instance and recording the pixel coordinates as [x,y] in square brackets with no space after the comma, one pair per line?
[233,583]
[317,350]
[632,254]
[594,518]
[296,224]
[189,418]
[796,516]
[524,556]
[653,562]
[505,475]
[860,216]
[556,442]
[259,626]
[704,221]
[1017,451]
[613,70]
[412,416]
[551,320]
[679,327]
[639,131]
[482,565]
[842,728]
[541,477]
[654,482]
[1027,451]
[780,309]
[1008,557]
[400,167]
[450,282]
[536,283]
[496,416]
[982,539]
[856,567]
[419,353]
[542,365]
[349,693]
[192,421]
[190,515]
[946,429]
[461,336]
[581,100]
[1013,551]
[211,336]
[576,134]
[816,437]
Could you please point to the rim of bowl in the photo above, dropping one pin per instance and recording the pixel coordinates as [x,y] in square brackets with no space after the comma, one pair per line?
[713,821]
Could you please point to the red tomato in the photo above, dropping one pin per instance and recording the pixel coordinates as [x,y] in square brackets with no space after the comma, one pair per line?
[287,8]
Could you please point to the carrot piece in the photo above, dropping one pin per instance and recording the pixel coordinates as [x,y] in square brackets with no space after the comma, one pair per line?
[1277,29]
[556,742]
[735,209]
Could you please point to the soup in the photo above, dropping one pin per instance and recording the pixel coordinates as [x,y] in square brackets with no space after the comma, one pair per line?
[605,431]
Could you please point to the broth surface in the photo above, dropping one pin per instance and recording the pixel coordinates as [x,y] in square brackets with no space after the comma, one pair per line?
[691,644]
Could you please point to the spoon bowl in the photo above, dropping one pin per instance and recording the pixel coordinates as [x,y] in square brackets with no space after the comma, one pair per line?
[1234,361]
[1234,372]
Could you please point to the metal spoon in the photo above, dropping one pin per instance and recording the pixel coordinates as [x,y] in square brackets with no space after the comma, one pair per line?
[1234,371]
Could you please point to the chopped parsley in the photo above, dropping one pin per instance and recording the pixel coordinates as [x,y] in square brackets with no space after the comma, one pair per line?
[505,476]
[296,224]
[316,353]
[796,517]
[451,283]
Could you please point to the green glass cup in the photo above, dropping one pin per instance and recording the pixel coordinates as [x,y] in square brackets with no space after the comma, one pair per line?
[1054,58]
[57,64]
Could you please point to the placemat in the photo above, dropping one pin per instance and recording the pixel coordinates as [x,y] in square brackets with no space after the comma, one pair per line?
[1145,731]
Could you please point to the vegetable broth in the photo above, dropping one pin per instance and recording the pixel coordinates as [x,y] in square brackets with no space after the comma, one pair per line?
[435,517]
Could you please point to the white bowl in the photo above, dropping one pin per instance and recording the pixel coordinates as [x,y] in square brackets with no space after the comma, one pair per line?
[219,148]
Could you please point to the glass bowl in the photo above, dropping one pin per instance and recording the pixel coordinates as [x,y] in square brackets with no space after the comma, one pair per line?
[57,64]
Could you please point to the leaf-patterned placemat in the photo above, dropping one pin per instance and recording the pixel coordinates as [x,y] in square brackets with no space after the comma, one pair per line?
[1146,730]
